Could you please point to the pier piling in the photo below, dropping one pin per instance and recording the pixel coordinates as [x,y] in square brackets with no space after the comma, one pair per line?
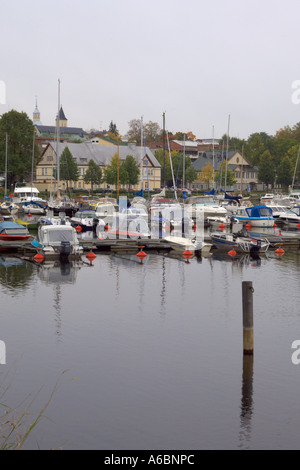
[248,337]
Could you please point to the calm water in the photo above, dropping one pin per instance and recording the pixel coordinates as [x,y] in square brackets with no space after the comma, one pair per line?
[153,352]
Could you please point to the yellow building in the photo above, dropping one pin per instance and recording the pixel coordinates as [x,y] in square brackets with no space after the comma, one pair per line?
[102,155]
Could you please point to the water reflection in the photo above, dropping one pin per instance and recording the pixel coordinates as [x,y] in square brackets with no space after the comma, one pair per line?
[56,273]
[238,262]
[246,402]
[15,273]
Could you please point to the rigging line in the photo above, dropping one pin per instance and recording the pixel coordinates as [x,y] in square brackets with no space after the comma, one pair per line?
[171,166]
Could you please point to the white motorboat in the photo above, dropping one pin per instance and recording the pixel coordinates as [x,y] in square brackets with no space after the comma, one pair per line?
[87,220]
[8,208]
[278,210]
[106,211]
[267,198]
[191,244]
[291,217]
[256,216]
[173,215]
[23,193]
[58,241]
[203,207]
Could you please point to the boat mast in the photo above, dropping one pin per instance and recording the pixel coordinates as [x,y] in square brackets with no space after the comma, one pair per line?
[295,169]
[183,171]
[242,169]
[227,154]
[213,133]
[5,187]
[32,163]
[164,150]
[142,175]
[57,140]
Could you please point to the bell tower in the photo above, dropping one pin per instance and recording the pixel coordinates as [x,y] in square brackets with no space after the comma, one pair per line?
[36,114]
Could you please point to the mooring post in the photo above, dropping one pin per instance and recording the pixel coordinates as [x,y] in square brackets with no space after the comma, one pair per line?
[248,338]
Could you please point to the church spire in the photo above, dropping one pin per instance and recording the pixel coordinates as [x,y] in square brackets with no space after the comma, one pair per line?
[36,114]
[63,122]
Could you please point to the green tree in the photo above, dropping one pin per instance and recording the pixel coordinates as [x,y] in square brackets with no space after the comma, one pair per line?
[206,174]
[266,168]
[113,129]
[20,132]
[93,174]
[68,167]
[285,171]
[255,148]
[132,170]
[111,172]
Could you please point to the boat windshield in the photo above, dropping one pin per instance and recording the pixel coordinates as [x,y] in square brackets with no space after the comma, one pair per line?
[295,210]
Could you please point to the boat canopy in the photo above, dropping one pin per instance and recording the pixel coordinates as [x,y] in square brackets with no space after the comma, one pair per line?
[56,234]
[259,211]
[10,226]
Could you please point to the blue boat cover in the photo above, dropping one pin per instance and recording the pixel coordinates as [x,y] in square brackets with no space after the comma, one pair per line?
[259,211]
[8,225]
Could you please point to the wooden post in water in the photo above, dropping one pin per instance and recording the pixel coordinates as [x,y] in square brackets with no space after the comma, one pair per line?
[248,338]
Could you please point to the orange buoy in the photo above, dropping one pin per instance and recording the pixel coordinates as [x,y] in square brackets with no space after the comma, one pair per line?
[91,256]
[107,227]
[39,258]
[279,251]
[248,226]
[141,254]
[221,226]
[298,225]
[78,228]
[187,254]
[232,253]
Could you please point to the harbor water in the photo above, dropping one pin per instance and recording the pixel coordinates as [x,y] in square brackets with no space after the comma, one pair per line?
[149,355]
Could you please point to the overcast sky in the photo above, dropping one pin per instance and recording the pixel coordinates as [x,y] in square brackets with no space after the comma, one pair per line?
[198,61]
